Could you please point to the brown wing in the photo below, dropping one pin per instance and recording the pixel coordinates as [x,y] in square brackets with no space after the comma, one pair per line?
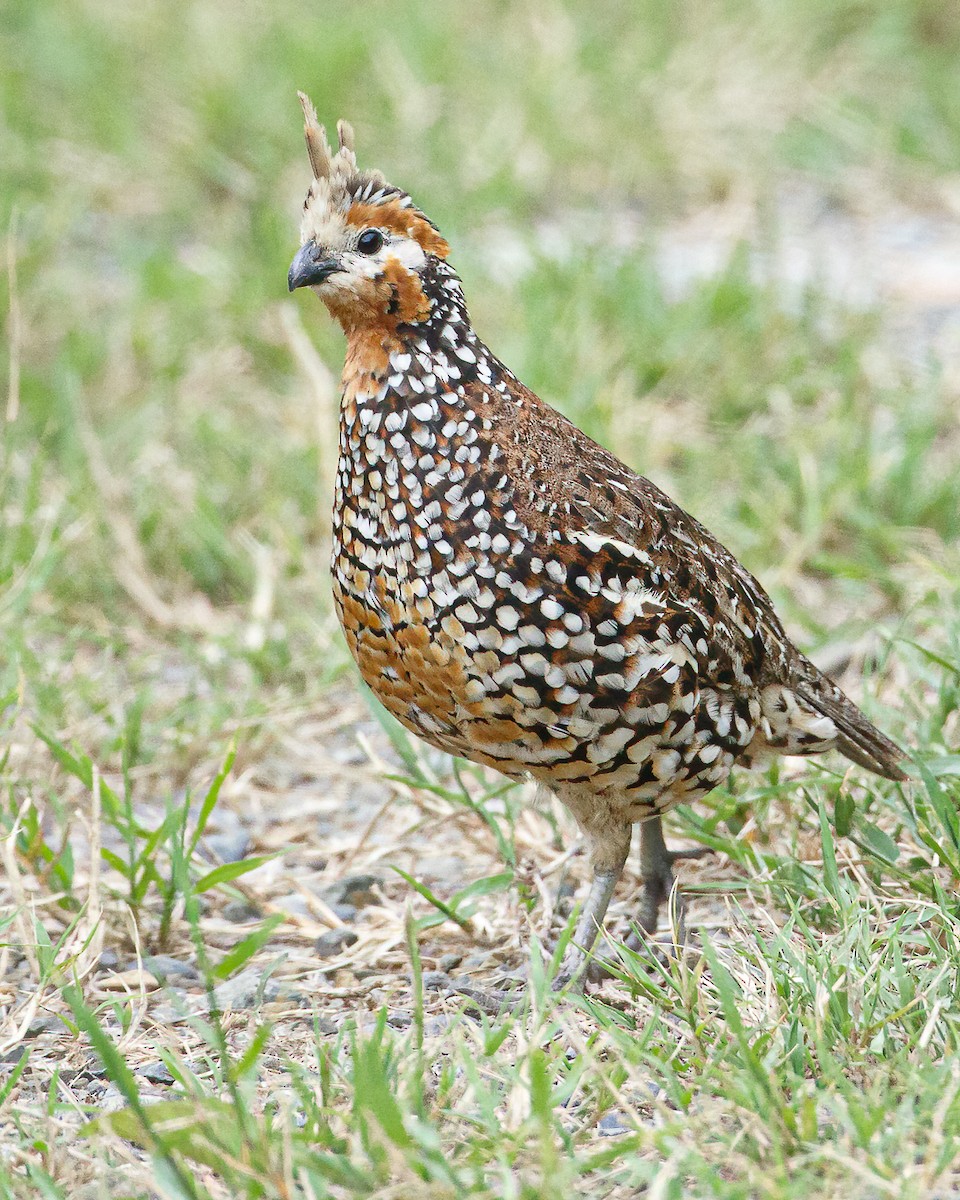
[600,497]
[593,493]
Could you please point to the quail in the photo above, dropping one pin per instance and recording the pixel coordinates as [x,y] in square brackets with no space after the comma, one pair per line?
[511,591]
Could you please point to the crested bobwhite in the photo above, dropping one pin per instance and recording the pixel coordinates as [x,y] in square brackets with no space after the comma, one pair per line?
[511,591]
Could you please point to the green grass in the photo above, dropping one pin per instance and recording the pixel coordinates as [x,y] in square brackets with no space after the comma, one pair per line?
[165,448]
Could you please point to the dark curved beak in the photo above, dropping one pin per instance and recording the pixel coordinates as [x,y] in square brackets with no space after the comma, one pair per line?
[310,267]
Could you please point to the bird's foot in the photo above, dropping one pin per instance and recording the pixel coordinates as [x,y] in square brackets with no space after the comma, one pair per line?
[580,966]
[495,1002]
[570,978]
[492,1002]
[658,889]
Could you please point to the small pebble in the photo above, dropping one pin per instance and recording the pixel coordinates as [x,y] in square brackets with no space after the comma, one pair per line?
[155,1072]
[44,1025]
[436,981]
[355,889]
[450,962]
[611,1125]
[246,990]
[399,1020]
[296,998]
[229,847]
[112,1099]
[167,969]
[346,912]
[239,911]
[333,941]
[294,904]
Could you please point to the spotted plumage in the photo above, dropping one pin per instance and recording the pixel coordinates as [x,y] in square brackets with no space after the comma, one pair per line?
[510,590]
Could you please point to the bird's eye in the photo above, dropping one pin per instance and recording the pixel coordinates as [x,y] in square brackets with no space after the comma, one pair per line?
[370,241]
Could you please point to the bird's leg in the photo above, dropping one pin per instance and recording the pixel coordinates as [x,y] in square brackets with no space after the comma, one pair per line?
[609,855]
[610,843]
[589,924]
[656,867]
[573,970]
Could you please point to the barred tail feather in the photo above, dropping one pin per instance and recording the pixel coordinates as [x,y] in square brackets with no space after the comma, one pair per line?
[857,738]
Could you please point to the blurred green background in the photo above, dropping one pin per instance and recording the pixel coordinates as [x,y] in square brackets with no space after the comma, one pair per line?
[163,452]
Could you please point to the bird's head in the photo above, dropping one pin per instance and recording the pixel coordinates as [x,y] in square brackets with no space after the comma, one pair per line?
[365,248]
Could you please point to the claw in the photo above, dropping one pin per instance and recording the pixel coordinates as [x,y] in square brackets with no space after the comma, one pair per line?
[491,1002]
[584,959]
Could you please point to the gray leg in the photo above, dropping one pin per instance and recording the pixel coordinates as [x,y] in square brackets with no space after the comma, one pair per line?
[610,846]
[656,867]
[573,970]
[609,843]
[609,840]
[608,859]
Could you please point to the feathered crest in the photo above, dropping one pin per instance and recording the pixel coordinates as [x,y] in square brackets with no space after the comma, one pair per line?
[324,163]
[338,183]
[339,170]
